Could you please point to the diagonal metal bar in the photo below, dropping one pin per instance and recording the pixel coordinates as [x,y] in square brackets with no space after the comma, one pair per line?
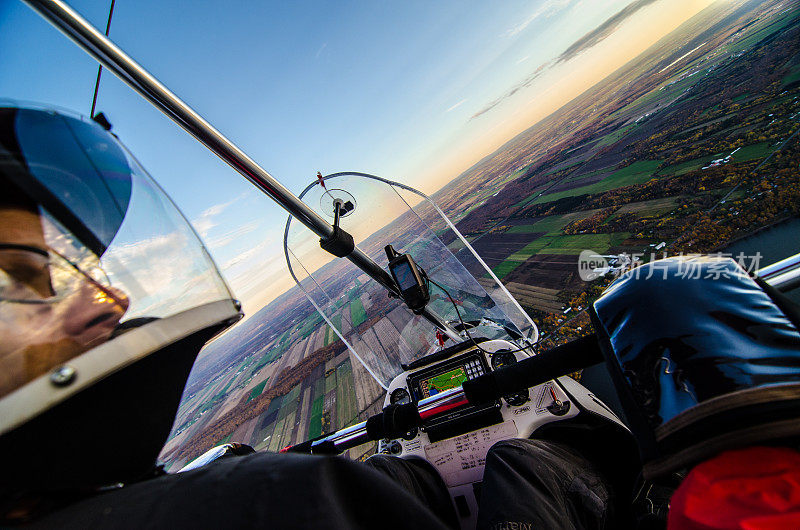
[74,26]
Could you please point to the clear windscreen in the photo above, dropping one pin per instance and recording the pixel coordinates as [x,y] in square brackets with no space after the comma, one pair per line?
[380,332]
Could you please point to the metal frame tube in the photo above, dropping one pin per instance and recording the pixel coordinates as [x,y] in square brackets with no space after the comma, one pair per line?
[69,22]
[109,55]
[783,275]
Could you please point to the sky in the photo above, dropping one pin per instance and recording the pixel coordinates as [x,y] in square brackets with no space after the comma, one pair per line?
[411,91]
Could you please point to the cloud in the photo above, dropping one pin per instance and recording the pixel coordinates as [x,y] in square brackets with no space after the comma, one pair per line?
[256,286]
[456,105]
[547,9]
[250,253]
[232,235]
[516,30]
[161,274]
[602,31]
[584,43]
[487,108]
[525,83]
[207,219]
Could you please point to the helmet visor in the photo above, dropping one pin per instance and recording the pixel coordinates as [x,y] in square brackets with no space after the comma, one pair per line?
[90,246]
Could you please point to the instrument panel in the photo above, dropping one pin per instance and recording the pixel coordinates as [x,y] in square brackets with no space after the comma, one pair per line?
[527,409]
[456,443]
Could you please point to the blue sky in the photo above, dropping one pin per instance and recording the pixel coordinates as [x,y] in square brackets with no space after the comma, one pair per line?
[394,89]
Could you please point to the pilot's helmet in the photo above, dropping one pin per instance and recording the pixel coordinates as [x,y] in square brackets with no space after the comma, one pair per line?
[704,359]
[106,297]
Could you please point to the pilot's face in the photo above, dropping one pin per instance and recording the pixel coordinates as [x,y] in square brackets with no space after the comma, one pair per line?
[50,311]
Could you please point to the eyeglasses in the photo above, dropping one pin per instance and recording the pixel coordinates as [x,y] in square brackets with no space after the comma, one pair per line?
[32,275]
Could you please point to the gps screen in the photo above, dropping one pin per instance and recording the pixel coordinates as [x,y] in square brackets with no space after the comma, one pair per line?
[441,382]
[404,276]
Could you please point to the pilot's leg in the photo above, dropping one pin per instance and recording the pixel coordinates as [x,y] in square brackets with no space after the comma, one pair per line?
[535,484]
[262,490]
[420,479]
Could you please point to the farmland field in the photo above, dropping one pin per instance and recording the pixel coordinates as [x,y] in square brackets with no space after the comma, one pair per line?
[635,173]
[357,312]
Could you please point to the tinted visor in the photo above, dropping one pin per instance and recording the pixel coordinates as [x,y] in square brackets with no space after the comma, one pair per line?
[71,168]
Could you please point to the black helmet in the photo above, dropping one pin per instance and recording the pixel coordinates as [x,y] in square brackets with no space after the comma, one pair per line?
[106,296]
[704,359]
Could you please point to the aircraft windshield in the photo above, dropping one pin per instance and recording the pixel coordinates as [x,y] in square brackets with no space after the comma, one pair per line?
[380,332]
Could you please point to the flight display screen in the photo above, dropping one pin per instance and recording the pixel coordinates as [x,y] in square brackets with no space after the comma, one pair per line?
[405,277]
[441,382]
[444,376]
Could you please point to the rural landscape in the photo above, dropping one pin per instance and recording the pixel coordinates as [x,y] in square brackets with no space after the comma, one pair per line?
[689,148]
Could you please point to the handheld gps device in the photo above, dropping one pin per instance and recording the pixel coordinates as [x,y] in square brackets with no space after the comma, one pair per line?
[409,278]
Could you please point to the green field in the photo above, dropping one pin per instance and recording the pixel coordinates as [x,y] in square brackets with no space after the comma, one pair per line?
[529,198]
[269,430]
[330,382]
[560,244]
[534,247]
[290,402]
[319,387]
[275,441]
[274,405]
[336,320]
[346,406]
[636,173]
[574,244]
[289,425]
[218,397]
[665,92]
[357,312]
[690,165]
[748,152]
[330,334]
[577,176]
[570,244]
[256,391]
[316,407]
[791,77]
[309,325]
[504,268]
[551,225]
[287,406]
[650,208]
[573,164]
[315,423]
[615,136]
[763,28]
[274,353]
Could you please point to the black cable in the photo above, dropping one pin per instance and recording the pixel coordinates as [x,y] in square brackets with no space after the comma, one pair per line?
[463,325]
[100,68]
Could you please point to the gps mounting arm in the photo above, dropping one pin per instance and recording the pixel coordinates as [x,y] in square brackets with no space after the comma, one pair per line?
[339,243]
